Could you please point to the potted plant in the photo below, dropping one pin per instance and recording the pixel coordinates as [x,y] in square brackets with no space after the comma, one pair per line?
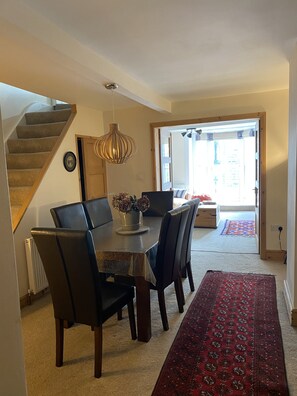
[129,207]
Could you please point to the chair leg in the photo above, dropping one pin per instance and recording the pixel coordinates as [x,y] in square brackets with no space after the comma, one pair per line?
[59,341]
[190,276]
[162,306]
[120,314]
[132,320]
[98,351]
[179,294]
[181,287]
[184,272]
[68,324]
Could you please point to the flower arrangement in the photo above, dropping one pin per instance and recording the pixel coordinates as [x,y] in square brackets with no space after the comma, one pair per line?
[125,203]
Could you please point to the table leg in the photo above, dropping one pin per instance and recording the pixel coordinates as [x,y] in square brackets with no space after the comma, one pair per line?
[143,306]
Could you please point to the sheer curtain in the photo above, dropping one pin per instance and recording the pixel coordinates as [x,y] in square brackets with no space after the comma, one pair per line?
[224,166]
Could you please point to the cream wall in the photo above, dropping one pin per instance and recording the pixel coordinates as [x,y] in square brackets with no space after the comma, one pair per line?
[13,102]
[137,174]
[180,165]
[12,371]
[57,188]
[291,281]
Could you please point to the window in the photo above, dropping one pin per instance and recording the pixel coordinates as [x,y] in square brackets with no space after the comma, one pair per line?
[225,169]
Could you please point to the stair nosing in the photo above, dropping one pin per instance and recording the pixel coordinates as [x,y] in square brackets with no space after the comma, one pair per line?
[42,124]
[35,153]
[33,138]
[21,170]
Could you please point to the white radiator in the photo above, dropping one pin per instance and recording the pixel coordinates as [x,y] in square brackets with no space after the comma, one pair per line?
[37,277]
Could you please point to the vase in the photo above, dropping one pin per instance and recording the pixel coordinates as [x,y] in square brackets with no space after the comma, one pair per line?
[130,221]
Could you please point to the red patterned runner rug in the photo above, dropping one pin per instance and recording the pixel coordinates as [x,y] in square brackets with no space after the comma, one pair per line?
[239,228]
[229,342]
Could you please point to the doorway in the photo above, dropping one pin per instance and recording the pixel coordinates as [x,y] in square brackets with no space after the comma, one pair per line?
[239,126]
[92,169]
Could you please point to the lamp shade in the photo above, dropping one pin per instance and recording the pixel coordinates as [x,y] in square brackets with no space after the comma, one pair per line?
[115,147]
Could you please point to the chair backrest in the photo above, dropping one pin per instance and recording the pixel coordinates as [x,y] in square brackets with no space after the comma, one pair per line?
[97,212]
[187,240]
[49,250]
[79,256]
[169,246]
[70,216]
[160,202]
[70,264]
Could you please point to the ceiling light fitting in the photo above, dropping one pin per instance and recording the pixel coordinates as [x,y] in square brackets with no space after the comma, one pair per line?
[189,132]
[114,147]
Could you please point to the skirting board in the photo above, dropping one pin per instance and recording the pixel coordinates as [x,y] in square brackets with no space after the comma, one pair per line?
[292,313]
[29,298]
[275,255]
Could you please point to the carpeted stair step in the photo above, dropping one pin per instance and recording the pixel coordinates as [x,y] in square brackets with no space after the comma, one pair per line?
[60,106]
[22,177]
[40,130]
[18,194]
[30,151]
[43,117]
[31,145]
[26,161]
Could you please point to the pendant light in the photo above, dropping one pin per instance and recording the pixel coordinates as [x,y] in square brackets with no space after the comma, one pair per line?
[114,147]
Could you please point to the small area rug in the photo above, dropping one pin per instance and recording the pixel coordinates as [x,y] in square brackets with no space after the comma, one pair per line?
[229,342]
[239,228]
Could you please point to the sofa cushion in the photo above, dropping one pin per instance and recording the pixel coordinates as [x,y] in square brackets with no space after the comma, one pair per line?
[202,197]
[177,193]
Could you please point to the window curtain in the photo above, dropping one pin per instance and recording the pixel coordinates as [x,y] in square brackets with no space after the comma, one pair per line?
[224,166]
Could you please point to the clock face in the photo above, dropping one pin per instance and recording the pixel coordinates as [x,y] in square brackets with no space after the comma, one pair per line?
[69,161]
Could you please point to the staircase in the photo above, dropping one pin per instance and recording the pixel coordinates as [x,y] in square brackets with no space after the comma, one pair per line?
[30,154]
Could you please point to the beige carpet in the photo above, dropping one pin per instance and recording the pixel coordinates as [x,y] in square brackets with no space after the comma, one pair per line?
[211,240]
[130,367]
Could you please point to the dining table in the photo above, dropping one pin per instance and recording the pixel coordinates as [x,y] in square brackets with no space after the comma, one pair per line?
[127,253]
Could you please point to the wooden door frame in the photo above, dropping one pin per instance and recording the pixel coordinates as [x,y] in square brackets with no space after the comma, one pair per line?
[261,116]
[81,164]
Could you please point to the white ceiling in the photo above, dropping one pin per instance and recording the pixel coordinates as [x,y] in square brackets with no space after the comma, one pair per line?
[158,51]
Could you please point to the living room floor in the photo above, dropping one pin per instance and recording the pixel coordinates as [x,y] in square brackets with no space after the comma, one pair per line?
[131,367]
[211,240]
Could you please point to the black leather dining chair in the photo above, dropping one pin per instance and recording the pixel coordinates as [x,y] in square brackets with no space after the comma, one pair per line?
[160,202]
[167,266]
[70,216]
[186,268]
[78,294]
[74,216]
[165,261]
[97,212]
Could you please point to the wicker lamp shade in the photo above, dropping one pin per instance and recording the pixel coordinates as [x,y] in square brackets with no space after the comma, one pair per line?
[115,147]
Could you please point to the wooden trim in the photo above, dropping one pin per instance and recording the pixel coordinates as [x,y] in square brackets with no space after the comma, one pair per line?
[207,120]
[292,312]
[262,186]
[90,166]
[293,320]
[35,186]
[275,255]
[28,299]
[155,157]
[262,141]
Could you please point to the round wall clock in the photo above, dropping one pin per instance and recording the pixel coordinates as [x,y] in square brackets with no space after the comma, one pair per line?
[69,161]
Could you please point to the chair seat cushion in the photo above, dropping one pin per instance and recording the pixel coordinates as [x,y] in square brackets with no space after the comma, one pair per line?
[114,297]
